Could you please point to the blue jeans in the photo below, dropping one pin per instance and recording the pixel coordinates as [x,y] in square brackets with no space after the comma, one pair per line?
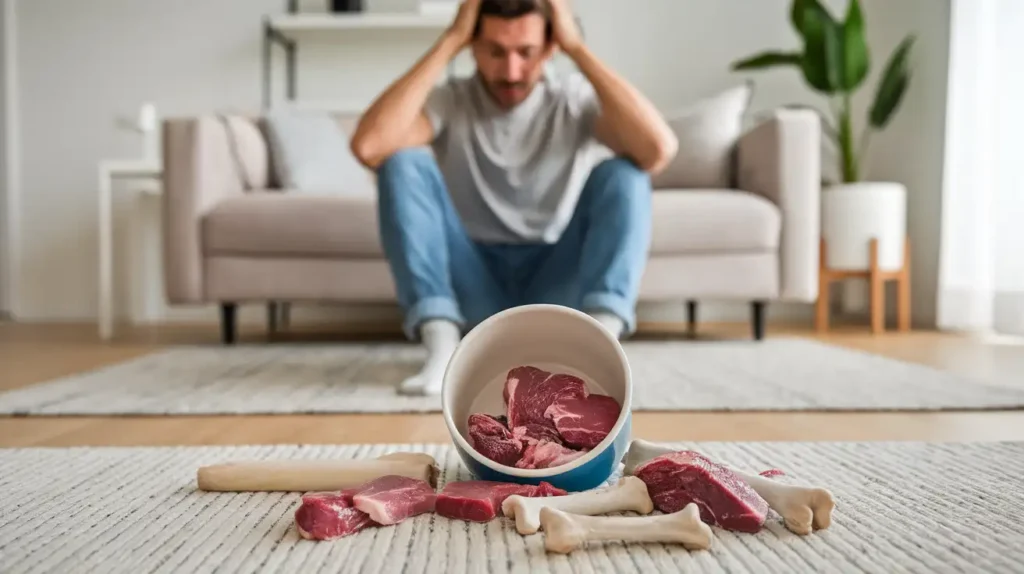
[441,273]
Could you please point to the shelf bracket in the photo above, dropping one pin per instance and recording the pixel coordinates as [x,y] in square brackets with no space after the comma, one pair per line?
[270,37]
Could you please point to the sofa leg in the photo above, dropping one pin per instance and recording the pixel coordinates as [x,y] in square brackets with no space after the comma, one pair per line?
[273,312]
[286,314]
[691,318]
[758,318]
[228,323]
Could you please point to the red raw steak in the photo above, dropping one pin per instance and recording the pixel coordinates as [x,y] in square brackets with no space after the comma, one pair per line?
[329,515]
[392,499]
[490,437]
[529,392]
[480,500]
[584,423]
[679,478]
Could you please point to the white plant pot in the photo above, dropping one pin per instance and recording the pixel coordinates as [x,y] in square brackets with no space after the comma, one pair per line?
[853,214]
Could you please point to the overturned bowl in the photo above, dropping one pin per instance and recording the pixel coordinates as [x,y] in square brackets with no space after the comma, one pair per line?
[553,338]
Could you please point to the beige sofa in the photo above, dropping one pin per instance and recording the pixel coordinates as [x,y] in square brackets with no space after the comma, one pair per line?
[228,244]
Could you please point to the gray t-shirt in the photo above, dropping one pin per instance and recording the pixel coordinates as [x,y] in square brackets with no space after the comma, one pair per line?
[515,176]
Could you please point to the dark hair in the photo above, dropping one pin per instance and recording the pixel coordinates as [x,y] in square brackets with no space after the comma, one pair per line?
[511,9]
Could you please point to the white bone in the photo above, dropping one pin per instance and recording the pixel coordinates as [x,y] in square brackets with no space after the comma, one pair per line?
[629,494]
[564,532]
[802,508]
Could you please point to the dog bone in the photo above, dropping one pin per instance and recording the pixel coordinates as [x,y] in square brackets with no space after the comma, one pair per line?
[564,532]
[315,475]
[630,493]
[803,508]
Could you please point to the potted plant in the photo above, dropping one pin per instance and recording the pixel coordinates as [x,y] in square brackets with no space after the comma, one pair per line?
[835,61]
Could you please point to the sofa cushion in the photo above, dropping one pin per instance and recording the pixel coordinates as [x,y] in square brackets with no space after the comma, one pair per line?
[311,154]
[293,225]
[708,132]
[274,224]
[715,220]
[248,150]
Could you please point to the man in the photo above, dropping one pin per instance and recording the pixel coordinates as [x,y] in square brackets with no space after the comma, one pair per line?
[516,205]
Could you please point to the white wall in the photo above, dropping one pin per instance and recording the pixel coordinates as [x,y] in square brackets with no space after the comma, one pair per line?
[100,59]
[911,149]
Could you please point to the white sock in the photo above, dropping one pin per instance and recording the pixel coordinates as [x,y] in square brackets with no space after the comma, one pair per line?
[440,337]
[613,323]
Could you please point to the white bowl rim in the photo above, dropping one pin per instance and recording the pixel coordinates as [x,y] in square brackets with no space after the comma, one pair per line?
[602,446]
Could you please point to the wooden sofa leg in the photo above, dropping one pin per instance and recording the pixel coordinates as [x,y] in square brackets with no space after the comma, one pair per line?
[228,323]
[758,319]
[691,318]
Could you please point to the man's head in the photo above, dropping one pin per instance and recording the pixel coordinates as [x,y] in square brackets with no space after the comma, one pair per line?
[511,44]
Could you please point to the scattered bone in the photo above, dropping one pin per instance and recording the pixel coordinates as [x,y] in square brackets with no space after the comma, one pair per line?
[629,494]
[802,508]
[564,532]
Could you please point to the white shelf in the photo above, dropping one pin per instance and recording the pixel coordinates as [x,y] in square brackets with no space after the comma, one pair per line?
[291,25]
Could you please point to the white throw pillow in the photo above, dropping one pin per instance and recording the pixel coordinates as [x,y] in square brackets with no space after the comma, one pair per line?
[708,132]
[311,154]
[248,150]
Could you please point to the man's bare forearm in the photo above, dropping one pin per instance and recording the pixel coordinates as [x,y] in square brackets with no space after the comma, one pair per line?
[629,119]
[385,126]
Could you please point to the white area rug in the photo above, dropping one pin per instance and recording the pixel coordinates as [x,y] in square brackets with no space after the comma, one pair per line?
[901,507]
[777,374]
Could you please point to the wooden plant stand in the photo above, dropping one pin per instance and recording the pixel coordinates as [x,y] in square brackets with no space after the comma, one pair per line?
[877,279]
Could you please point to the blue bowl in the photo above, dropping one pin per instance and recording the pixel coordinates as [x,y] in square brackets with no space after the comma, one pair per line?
[550,337]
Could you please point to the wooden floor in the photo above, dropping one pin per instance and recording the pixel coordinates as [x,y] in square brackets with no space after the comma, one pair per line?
[32,354]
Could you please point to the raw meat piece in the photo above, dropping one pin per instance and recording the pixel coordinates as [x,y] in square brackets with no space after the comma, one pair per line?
[480,500]
[546,454]
[533,433]
[329,515]
[772,473]
[491,438]
[392,499]
[678,478]
[584,423]
[529,392]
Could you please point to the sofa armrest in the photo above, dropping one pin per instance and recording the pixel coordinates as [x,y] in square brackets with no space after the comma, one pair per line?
[780,159]
[199,172]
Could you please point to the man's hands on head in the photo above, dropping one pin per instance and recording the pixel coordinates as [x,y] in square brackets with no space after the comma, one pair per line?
[628,124]
[396,119]
[462,27]
[566,33]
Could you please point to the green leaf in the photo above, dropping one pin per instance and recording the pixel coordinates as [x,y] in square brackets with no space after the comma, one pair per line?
[894,83]
[856,58]
[822,45]
[796,15]
[768,60]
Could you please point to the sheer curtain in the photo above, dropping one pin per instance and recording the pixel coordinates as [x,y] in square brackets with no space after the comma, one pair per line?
[981,266]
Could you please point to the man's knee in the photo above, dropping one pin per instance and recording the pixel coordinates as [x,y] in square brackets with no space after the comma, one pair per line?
[407,169]
[620,180]
[406,159]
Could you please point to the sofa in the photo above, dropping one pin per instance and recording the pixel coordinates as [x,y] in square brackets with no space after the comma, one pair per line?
[233,236]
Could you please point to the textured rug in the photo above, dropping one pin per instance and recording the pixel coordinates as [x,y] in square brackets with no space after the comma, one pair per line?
[778,374]
[900,507]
